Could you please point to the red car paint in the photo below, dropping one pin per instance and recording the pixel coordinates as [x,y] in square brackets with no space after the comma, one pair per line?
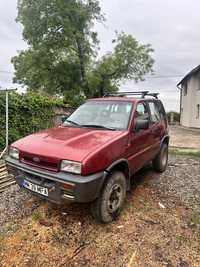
[95,149]
[76,144]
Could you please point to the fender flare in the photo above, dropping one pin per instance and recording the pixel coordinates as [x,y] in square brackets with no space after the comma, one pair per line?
[128,174]
[166,137]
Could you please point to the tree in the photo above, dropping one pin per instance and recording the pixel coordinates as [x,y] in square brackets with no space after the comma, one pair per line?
[129,61]
[61,43]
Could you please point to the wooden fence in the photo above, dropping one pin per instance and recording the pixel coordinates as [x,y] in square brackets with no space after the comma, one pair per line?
[6,180]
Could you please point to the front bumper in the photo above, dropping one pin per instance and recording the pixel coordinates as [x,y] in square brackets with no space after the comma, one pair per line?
[61,186]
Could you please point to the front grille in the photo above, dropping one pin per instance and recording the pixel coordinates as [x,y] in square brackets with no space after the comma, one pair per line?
[39,161]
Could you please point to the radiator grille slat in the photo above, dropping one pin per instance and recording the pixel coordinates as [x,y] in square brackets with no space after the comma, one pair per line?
[39,161]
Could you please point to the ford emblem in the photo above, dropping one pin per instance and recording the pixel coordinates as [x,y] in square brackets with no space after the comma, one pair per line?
[36,159]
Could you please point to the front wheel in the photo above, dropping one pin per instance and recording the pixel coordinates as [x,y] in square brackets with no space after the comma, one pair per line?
[161,160]
[109,205]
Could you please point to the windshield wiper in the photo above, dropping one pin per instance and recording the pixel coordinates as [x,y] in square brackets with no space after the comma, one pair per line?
[91,125]
[98,126]
[73,122]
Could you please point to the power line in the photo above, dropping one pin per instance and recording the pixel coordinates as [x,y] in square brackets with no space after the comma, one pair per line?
[6,72]
[164,76]
[147,77]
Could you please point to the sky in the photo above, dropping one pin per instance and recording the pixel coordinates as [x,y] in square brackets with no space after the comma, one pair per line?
[171,27]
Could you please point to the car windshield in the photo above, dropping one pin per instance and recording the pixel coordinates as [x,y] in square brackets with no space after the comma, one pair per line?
[112,115]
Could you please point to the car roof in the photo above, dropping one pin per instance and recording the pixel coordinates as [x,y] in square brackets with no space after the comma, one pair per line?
[122,99]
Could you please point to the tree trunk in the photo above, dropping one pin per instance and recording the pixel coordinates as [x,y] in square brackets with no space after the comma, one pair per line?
[82,66]
[102,87]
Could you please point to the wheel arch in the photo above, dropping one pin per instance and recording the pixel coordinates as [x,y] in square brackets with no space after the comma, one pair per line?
[165,140]
[123,166]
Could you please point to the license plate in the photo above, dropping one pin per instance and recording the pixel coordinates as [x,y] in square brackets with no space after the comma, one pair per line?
[36,188]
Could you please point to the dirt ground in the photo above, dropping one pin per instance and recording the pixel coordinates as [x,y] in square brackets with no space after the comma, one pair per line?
[184,137]
[159,226]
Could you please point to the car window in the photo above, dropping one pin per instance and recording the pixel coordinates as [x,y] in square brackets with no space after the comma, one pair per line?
[112,114]
[142,111]
[155,114]
[161,110]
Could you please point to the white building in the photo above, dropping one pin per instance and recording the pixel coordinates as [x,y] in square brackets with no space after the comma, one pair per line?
[190,99]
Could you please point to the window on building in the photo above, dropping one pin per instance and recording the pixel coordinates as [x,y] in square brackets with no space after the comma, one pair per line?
[185,88]
[198,111]
[198,82]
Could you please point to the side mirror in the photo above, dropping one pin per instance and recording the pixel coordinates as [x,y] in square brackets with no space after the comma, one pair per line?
[141,124]
[63,118]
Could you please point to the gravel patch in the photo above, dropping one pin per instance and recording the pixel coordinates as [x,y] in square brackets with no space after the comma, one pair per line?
[182,180]
[179,184]
[13,205]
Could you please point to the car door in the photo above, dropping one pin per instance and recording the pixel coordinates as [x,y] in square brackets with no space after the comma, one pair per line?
[140,142]
[157,127]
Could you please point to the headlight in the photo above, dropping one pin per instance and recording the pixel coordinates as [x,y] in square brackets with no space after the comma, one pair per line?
[14,153]
[71,166]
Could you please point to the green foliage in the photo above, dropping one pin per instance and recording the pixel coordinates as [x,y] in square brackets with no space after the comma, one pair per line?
[185,152]
[130,60]
[61,43]
[28,113]
[37,215]
[39,69]
[176,116]
[74,98]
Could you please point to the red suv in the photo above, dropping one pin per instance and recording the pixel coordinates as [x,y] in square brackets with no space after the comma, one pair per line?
[94,155]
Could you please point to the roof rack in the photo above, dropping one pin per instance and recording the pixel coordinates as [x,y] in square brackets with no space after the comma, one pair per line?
[142,93]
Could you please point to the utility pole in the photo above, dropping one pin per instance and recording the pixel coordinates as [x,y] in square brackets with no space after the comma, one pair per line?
[7,118]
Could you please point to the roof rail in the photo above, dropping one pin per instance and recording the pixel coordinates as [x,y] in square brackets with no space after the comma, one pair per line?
[153,94]
[142,93]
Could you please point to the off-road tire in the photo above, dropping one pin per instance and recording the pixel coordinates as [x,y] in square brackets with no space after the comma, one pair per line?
[160,162]
[101,208]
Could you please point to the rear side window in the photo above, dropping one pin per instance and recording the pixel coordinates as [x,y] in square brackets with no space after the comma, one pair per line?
[161,110]
[155,114]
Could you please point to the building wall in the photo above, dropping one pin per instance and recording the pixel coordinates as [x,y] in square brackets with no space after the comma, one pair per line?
[190,110]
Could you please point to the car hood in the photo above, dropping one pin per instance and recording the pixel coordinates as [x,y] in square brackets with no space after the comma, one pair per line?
[66,142]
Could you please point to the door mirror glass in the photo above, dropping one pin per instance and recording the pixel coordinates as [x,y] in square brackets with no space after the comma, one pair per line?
[141,125]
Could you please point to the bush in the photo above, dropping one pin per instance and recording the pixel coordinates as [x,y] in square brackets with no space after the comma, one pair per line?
[28,113]
[176,116]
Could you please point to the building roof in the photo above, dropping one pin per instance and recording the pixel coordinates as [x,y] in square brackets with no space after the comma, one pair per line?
[192,72]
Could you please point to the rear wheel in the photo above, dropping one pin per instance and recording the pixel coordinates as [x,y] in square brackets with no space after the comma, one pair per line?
[109,205]
[161,160]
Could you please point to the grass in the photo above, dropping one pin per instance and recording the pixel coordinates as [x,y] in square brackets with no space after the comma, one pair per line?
[195,220]
[184,152]
[37,215]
